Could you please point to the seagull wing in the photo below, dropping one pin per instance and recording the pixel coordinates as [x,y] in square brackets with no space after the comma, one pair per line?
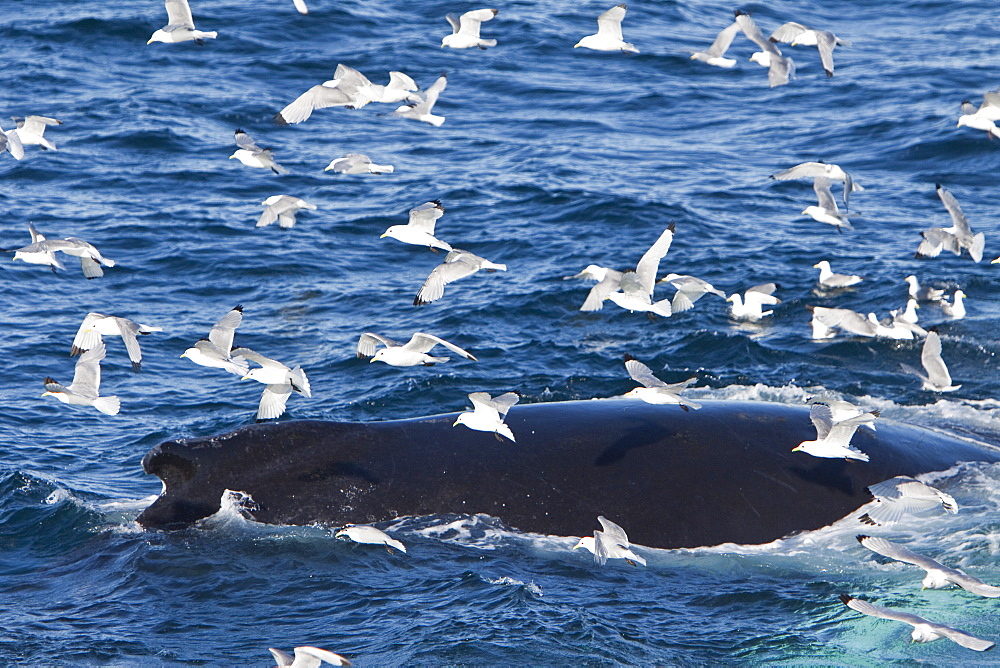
[244,141]
[254,356]
[273,400]
[368,341]
[431,94]
[503,402]
[958,218]
[963,638]
[825,41]
[900,553]
[12,142]
[973,585]
[610,22]
[36,124]
[283,659]
[425,216]
[87,375]
[600,548]
[641,373]
[595,298]
[788,32]
[723,40]
[440,276]
[303,653]
[422,343]
[470,21]
[805,170]
[821,184]
[179,14]
[649,264]
[867,608]
[222,332]
[613,532]
[129,332]
[822,418]
[317,97]
[86,337]
[456,23]
[930,358]
[753,33]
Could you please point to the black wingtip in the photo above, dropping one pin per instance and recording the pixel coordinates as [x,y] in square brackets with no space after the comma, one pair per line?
[771,39]
[876,413]
[740,12]
[846,599]
[866,519]
[238,307]
[629,358]
[861,538]
[279,120]
[937,186]
[74,351]
[417,301]
[137,366]
[671,226]
[239,130]
[48,379]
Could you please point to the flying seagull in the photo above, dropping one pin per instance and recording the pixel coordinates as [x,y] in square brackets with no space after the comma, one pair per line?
[635,288]
[282,208]
[779,68]
[833,439]
[749,305]
[420,110]
[307,657]
[30,131]
[715,54]
[654,390]
[420,228]
[413,352]
[611,543]
[938,575]
[608,281]
[278,380]
[96,325]
[369,535]
[609,33]
[689,290]
[465,30]
[488,413]
[216,350]
[180,25]
[810,170]
[937,378]
[923,630]
[11,143]
[252,155]
[825,210]
[457,264]
[824,40]
[357,163]
[955,238]
[83,391]
[903,495]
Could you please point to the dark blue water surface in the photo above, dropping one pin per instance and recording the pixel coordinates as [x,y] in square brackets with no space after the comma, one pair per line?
[551,158]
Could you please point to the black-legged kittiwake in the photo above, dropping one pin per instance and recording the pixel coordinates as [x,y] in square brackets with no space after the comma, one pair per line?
[829,279]
[180,25]
[901,496]
[252,155]
[10,142]
[689,290]
[465,30]
[937,378]
[796,33]
[810,170]
[457,264]
[357,163]
[305,656]
[654,390]
[833,438]
[216,350]
[611,543]
[609,33]
[420,110]
[923,630]
[411,353]
[779,68]
[635,288]
[938,575]
[955,238]
[96,325]
[715,54]
[31,131]
[954,309]
[282,208]
[83,391]
[419,231]
[826,210]
[278,380]
[369,535]
[749,305]
[488,413]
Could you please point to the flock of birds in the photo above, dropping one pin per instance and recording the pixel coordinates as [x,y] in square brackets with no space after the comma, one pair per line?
[632,289]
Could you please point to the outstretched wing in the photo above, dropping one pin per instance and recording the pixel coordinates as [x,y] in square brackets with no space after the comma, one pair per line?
[367,344]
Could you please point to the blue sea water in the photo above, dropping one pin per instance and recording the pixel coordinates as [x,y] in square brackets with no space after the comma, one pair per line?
[551,158]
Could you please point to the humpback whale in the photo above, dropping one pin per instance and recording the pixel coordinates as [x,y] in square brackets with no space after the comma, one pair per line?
[675,478]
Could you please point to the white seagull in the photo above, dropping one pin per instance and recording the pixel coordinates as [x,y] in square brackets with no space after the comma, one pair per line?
[611,543]
[488,413]
[689,290]
[955,309]
[307,657]
[457,264]
[903,495]
[829,279]
[937,378]
[216,350]
[955,238]
[825,322]
[420,110]
[779,68]
[824,40]
[411,353]
[357,163]
[465,29]
[635,288]
[300,6]
[180,25]
[96,325]
[282,208]
[715,54]
[923,630]
[609,33]
[252,155]
[369,535]
[938,576]
[30,131]
[83,391]
[279,381]
[42,251]
[749,305]
[419,231]
[922,292]
[984,117]
[349,88]
[654,390]
[810,170]
[833,439]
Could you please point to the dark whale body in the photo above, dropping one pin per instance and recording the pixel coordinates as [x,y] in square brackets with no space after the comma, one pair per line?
[725,473]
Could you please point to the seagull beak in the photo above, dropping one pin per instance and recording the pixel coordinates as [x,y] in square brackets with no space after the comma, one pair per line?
[796,448]
[150,41]
[46,393]
[246,377]
[371,360]
[184,354]
[383,236]
[456,423]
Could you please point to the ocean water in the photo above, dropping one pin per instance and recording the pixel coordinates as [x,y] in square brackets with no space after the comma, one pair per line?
[551,158]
